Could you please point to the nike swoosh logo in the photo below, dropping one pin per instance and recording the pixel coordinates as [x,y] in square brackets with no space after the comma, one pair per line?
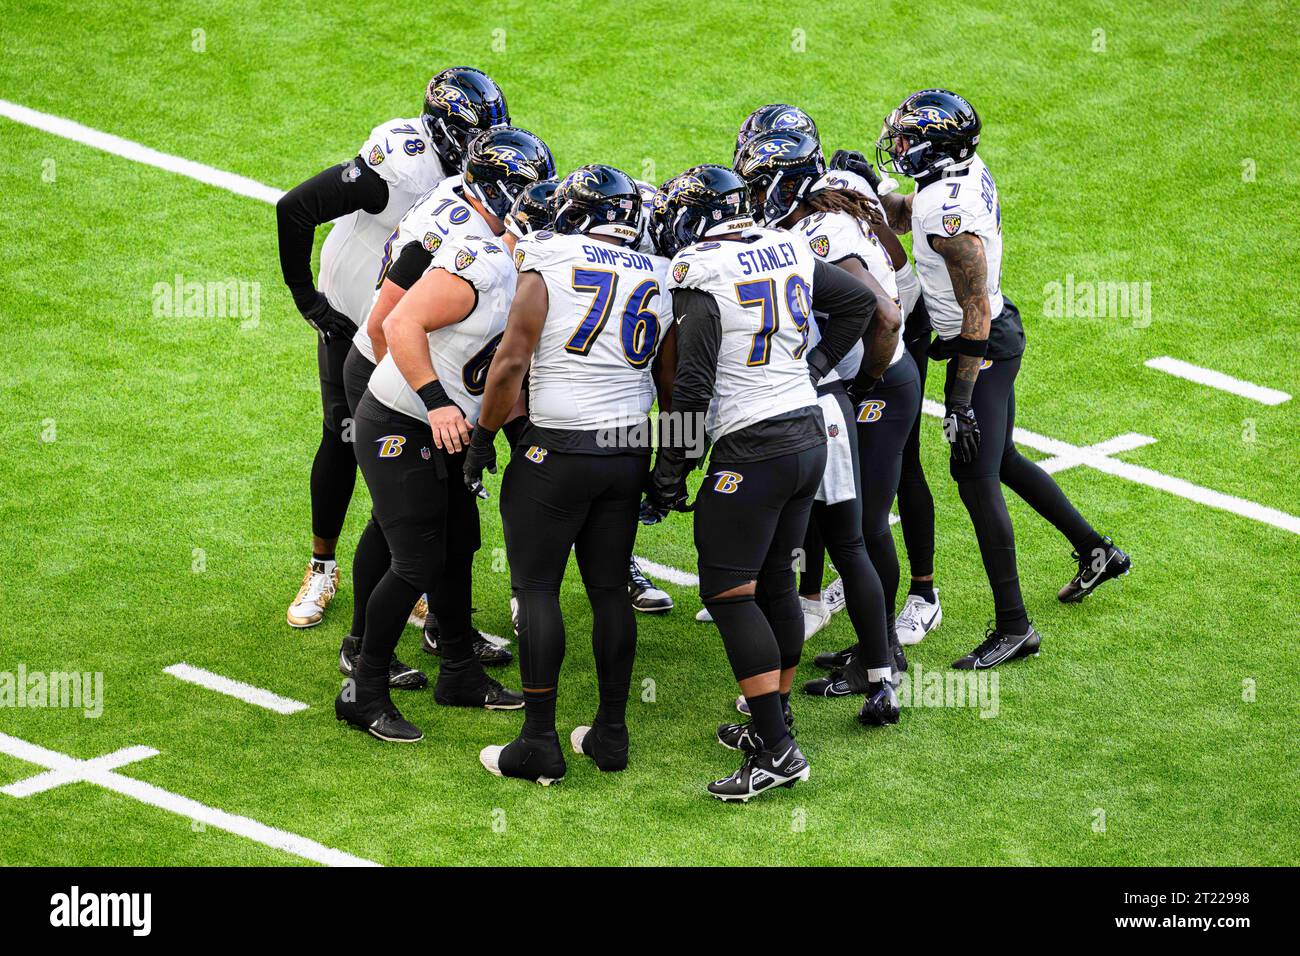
[955,205]
[926,625]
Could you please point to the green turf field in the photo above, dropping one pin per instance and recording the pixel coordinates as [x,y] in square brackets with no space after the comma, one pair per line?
[153,478]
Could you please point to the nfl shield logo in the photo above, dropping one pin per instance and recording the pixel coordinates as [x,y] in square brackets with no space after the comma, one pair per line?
[425,453]
[680,270]
[821,245]
[951,224]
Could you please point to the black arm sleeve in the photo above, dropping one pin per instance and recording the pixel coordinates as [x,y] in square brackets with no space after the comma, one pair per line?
[411,263]
[329,194]
[849,306]
[699,335]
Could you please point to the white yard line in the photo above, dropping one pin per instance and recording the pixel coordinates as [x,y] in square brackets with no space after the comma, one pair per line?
[99,771]
[1064,455]
[233,688]
[1225,383]
[656,570]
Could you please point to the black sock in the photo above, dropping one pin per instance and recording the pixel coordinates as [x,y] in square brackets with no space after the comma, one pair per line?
[539,712]
[389,606]
[923,590]
[769,718]
[322,556]
[785,701]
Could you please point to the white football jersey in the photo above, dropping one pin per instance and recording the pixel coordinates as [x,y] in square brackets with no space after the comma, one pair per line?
[439,216]
[608,314]
[947,207]
[400,152]
[836,236]
[460,353]
[763,285]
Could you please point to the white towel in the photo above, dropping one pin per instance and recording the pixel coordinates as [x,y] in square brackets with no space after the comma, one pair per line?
[837,480]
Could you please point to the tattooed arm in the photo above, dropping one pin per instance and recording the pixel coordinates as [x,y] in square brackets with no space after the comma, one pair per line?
[964,256]
[898,210]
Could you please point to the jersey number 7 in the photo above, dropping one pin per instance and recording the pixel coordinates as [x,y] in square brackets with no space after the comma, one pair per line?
[639,331]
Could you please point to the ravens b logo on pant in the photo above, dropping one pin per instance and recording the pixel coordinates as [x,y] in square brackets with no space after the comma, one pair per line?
[390,446]
[535,454]
[871,410]
[727,482]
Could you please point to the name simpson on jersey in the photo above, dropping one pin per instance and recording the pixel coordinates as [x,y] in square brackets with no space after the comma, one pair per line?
[767,258]
[603,255]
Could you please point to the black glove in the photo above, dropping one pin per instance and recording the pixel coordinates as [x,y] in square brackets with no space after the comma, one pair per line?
[852,161]
[962,431]
[327,320]
[861,387]
[665,487]
[479,457]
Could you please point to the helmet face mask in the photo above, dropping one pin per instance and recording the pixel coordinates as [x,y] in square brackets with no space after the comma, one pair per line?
[930,132]
[501,163]
[459,104]
[780,167]
[533,208]
[706,201]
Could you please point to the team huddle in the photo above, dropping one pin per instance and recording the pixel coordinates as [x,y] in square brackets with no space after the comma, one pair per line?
[771,314]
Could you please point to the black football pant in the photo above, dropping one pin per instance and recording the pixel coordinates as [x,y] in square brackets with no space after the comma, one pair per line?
[334,469]
[553,502]
[430,521]
[915,502]
[372,557]
[1000,463]
[839,529]
[750,522]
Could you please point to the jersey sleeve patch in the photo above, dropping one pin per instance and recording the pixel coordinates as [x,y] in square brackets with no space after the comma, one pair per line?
[464,259]
[952,223]
[821,245]
[679,272]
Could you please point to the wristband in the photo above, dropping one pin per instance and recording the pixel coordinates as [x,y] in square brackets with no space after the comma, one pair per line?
[974,347]
[434,395]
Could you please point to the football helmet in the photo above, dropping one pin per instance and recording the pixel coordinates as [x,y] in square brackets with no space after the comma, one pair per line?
[533,209]
[780,168]
[706,201]
[929,132]
[501,162]
[770,117]
[599,200]
[459,103]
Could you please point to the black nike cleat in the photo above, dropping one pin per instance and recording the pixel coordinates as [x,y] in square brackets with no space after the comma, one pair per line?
[741,736]
[464,684]
[646,597]
[783,766]
[849,679]
[384,722]
[400,676]
[538,759]
[1102,564]
[999,648]
[605,744]
[881,705]
[488,654]
[834,660]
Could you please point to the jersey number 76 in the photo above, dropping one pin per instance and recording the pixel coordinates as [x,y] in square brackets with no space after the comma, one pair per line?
[639,329]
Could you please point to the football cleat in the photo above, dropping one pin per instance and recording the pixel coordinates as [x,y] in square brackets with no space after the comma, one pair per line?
[741,736]
[850,679]
[816,615]
[761,771]
[501,163]
[383,723]
[1104,563]
[318,589]
[930,132]
[606,745]
[464,684]
[918,618]
[833,596]
[645,596]
[419,613]
[832,660]
[538,759]
[459,103]
[400,676]
[703,616]
[999,648]
[487,653]
[881,705]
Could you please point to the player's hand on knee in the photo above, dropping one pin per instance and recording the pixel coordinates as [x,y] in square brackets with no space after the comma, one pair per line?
[962,432]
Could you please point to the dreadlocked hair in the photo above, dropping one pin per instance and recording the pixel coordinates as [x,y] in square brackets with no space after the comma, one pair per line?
[842,200]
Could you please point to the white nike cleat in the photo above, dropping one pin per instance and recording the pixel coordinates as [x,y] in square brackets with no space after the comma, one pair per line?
[816,615]
[703,615]
[834,596]
[318,589]
[918,618]
[577,737]
[419,612]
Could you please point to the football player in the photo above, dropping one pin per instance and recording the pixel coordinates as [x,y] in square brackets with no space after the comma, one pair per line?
[368,194]
[412,425]
[498,165]
[744,300]
[588,326]
[956,219]
[790,189]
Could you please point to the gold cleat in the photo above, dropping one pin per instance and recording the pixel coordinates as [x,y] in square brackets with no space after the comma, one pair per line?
[420,612]
[314,596]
